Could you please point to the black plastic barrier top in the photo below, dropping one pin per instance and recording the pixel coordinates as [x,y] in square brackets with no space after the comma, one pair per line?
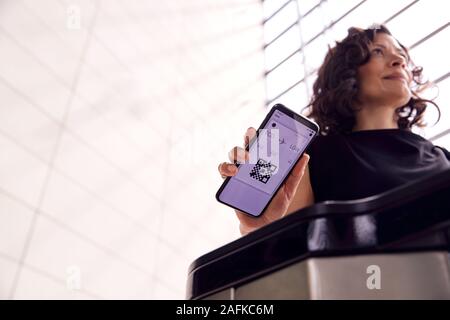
[412,217]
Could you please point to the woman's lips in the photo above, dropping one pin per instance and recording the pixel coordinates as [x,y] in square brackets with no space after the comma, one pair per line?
[396,78]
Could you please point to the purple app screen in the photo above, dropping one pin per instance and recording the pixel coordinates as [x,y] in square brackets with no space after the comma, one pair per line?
[272,156]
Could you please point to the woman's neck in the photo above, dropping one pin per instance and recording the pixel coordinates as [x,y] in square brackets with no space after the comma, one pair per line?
[375,118]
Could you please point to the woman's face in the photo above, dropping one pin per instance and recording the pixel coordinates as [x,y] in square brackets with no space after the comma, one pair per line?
[385,79]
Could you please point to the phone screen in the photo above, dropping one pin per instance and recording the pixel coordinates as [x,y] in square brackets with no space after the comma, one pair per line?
[281,141]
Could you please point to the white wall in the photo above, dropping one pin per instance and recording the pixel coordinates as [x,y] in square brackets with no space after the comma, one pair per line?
[110,137]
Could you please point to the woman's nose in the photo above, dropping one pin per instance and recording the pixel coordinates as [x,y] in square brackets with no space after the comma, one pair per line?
[398,60]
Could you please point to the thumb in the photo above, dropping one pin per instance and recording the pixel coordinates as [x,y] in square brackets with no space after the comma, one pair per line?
[296,175]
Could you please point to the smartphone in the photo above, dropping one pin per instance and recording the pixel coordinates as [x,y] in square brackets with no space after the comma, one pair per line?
[278,145]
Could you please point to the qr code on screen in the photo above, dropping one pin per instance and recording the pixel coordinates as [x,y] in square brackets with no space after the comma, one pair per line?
[262,171]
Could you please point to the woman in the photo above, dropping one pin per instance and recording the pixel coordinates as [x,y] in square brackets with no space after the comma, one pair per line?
[365,100]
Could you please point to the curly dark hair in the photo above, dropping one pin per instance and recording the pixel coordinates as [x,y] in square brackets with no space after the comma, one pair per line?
[336,87]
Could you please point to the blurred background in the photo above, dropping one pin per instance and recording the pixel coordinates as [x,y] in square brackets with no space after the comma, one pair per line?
[115,115]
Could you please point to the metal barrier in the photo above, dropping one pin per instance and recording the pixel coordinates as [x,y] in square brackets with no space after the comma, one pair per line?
[390,246]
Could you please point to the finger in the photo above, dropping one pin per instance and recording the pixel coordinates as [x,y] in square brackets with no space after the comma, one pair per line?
[249,135]
[238,155]
[227,169]
[296,175]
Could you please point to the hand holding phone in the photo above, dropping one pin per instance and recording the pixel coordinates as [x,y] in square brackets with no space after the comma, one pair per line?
[262,191]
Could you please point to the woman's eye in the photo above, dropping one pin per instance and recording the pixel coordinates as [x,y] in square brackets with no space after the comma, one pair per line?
[377,51]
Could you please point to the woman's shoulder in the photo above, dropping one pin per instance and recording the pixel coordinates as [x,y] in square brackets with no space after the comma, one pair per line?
[394,141]
[323,144]
[444,150]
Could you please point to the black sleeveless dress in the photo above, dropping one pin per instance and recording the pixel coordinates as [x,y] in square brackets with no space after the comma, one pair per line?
[364,163]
